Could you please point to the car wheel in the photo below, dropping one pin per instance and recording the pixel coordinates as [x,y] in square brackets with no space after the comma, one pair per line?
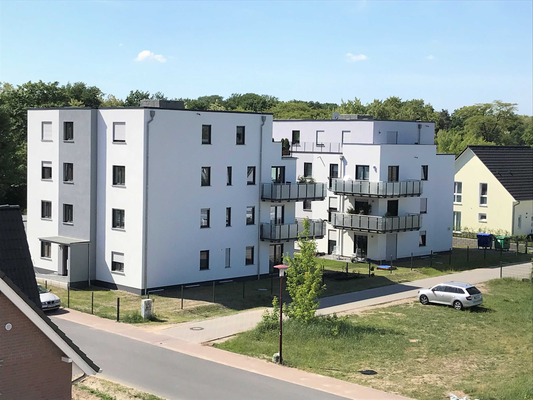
[424,300]
[457,305]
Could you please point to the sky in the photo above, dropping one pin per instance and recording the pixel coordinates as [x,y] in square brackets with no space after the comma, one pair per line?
[450,53]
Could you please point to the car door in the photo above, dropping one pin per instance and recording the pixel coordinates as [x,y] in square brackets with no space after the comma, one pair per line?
[447,295]
[434,293]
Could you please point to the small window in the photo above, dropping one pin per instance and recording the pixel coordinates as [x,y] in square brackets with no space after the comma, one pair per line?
[68,213]
[483,194]
[46,131]
[394,173]
[482,217]
[249,255]
[119,175]
[240,135]
[204,218]
[228,216]
[227,263]
[457,192]
[362,172]
[46,250]
[204,260]
[46,209]
[206,176]
[46,170]
[333,171]
[68,131]
[250,215]
[422,239]
[439,288]
[117,262]
[307,205]
[308,169]
[424,172]
[319,137]
[118,219]
[119,132]
[206,134]
[68,172]
[250,178]
[457,221]
[423,206]
[295,137]
[229,177]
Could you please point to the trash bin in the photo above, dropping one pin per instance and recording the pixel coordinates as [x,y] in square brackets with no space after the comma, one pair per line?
[484,240]
[502,242]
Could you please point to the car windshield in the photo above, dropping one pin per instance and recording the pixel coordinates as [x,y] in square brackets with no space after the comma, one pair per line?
[473,290]
[42,290]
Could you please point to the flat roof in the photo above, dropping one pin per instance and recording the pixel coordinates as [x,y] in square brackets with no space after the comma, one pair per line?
[148,108]
[351,120]
[63,240]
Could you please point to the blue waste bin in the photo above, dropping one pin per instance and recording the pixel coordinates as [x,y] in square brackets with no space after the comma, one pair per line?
[484,240]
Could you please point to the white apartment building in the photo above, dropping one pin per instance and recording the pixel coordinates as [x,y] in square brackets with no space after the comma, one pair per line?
[389,192]
[156,196]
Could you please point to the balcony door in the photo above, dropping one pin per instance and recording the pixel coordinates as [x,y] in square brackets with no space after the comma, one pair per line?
[277,215]
[333,172]
[392,243]
[392,208]
[360,245]
[278,174]
[276,255]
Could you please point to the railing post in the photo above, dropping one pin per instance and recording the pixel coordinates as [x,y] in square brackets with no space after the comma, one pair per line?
[525,250]
[501,270]
[68,295]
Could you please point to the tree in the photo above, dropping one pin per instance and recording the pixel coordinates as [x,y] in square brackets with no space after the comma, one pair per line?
[251,102]
[304,278]
[298,110]
[352,107]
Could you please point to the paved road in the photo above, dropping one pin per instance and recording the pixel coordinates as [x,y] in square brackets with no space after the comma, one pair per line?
[173,375]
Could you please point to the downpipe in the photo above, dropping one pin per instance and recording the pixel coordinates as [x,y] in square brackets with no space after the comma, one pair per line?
[146,197]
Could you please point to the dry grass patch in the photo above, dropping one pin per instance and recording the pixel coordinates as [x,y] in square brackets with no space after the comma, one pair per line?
[93,388]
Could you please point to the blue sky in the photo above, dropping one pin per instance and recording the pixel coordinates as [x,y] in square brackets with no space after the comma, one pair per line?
[449,53]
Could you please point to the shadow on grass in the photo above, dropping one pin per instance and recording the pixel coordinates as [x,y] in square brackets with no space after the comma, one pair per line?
[480,309]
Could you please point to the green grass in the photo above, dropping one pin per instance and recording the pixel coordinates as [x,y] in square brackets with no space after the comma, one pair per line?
[423,352]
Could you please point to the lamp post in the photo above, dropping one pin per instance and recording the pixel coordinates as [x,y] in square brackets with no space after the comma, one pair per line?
[281,269]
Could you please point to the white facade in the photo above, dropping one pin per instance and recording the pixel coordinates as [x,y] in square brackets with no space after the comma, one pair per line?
[154,237]
[397,221]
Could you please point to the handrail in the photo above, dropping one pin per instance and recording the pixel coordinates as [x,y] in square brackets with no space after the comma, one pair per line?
[377,189]
[376,224]
[293,191]
[312,147]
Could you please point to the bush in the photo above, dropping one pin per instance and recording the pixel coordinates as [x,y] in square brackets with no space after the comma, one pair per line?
[135,317]
[270,320]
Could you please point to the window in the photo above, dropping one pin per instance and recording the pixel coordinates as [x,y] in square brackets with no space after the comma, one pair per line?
[483,190]
[228,216]
[392,207]
[362,172]
[249,255]
[119,175]
[227,262]
[68,172]
[117,262]
[457,192]
[482,217]
[206,134]
[394,173]
[204,217]
[228,181]
[307,205]
[46,250]
[204,260]
[240,135]
[46,170]
[295,137]
[119,132]
[423,206]
[206,176]
[250,215]
[457,221]
[250,179]
[308,169]
[319,136]
[422,239]
[118,219]
[277,174]
[68,213]
[46,131]
[424,172]
[46,209]
[68,131]
[277,215]
[333,171]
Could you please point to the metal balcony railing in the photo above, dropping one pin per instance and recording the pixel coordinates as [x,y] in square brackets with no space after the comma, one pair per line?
[376,189]
[370,223]
[312,147]
[293,191]
[286,232]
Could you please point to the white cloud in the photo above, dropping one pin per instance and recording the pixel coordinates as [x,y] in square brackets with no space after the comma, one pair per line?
[148,55]
[355,57]
[430,57]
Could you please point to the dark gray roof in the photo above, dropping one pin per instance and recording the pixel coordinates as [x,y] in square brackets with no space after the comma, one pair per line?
[511,165]
[15,259]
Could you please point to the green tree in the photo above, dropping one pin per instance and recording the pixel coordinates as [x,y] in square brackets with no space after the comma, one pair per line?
[299,110]
[251,102]
[352,107]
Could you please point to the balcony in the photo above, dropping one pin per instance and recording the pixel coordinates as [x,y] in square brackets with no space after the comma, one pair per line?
[377,189]
[278,192]
[312,147]
[286,232]
[374,224]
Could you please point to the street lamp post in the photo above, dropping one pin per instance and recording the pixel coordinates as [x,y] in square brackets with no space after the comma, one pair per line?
[281,269]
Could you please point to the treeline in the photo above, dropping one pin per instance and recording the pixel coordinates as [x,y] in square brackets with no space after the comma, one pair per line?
[495,123]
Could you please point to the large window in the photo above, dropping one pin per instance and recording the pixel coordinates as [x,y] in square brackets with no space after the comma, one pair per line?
[206,134]
[422,239]
[46,250]
[205,218]
[295,137]
[277,174]
[46,209]
[424,172]
[117,262]
[250,215]
[240,135]
[68,213]
[68,131]
[249,255]
[119,132]
[204,260]
[308,169]
[423,205]
[250,177]
[68,172]
[206,176]
[277,215]
[362,172]
[483,194]
[118,217]
[119,175]
[394,173]
[46,170]
[229,177]
[228,216]
[46,131]
[458,192]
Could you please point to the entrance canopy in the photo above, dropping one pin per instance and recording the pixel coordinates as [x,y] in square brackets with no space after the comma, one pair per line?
[63,240]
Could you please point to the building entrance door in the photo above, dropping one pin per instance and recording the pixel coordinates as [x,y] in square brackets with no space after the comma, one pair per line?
[63,263]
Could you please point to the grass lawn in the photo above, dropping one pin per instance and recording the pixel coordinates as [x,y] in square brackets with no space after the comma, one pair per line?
[93,388]
[423,352]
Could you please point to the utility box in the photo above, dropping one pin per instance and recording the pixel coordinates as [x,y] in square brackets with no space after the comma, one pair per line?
[146,308]
[484,240]
[502,242]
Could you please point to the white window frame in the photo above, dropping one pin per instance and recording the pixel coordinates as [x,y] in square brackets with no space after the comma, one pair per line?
[117,258]
[46,164]
[479,219]
[423,233]
[123,133]
[317,138]
[65,221]
[423,205]
[454,220]
[457,194]
[46,133]
[116,175]
[47,254]
[486,196]
[42,205]
[120,228]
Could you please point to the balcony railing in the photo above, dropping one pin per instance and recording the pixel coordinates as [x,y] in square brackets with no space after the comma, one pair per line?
[293,191]
[286,232]
[377,189]
[312,147]
[370,223]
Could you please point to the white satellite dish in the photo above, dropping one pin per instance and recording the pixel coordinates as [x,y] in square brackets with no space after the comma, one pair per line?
[335,115]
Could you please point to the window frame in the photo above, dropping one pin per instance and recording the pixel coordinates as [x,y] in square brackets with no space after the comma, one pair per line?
[114,263]
[483,196]
[252,220]
[205,222]
[68,172]
[308,165]
[206,140]
[423,210]
[116,175]
[43,124]
[455,220]
[116,222]
[294,141]
[305,203]
[207,182]
[422,239]
[424,172]
[483,220]
[456,194]
[68,212]
[46,250]
[227,257]
[65,131]
[240,141]
[204,266]
[390,173]
[252,182]
[115,124]
[228,216]
[46,210]
[249,260]
[366,172]
[229,176]
[44,168]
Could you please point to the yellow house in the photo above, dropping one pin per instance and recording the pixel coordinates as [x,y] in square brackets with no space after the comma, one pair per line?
[493,190]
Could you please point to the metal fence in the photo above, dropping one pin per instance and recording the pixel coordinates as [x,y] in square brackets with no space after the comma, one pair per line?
[377,189]
[274,232]
[517,271]
[372,223]
[293,191]
[312,147]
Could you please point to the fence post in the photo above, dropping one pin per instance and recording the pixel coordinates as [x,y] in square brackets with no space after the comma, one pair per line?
[467,253]
[411,261]
[501,253]
[525,250]
[118,309]
[431,259]
[391,263]
[68,296]
[322,275]
[46,284]
[517,246]
[450,257]
[243,287]
[501,270]
[346,268]
[92,302]
[214,291]
[182,297]
[271,285]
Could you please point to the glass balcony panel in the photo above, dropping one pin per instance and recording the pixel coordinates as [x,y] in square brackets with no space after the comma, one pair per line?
[375,223]
[293,191]
[376,189]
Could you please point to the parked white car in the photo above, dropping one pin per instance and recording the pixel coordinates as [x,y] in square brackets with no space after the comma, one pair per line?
[456,294]
[49,301]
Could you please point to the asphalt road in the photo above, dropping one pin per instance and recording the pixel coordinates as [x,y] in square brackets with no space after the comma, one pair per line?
[173,375]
